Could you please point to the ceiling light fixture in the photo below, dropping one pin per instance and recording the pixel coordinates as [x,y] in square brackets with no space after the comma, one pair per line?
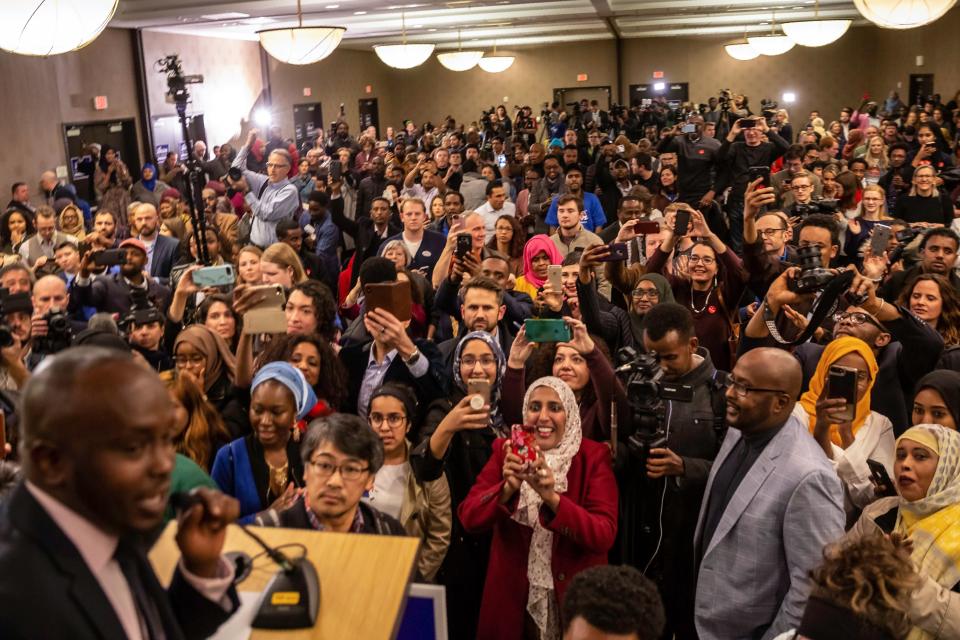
[903,14]
[460,60]
[816,32]
[494,63]
[403,56]
[741,51]
[300,44]
[773,44]
[39,28]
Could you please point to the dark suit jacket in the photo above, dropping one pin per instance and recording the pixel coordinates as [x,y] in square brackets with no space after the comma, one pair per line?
[429,387]
[427,255]
[165,250]
[47,591]
[363,233]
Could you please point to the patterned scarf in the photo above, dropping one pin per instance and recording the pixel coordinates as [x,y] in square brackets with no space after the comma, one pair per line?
[496,419]
[933,522]
[541,592]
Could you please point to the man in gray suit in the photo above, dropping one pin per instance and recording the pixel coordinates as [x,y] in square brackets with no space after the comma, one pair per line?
[772,502]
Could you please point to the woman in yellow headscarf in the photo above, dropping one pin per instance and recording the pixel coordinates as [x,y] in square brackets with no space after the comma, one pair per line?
[849,444]
[927,513]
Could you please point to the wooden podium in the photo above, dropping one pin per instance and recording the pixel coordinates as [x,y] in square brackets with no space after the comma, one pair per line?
[363,578]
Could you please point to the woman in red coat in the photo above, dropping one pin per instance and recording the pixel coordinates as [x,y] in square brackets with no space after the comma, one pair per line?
[551,518]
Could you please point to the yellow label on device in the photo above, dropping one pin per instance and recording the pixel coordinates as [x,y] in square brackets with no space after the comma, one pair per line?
[285,597]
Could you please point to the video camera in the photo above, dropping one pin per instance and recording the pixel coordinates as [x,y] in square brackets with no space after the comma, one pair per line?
[904,238]
[724,99]
[142,311]
[769,110]
[11,303]
[646,389]
[176,81]
[824,205]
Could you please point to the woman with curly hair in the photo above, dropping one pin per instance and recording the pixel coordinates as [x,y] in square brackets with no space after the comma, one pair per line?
[200,431]
[321,368]
[934,300]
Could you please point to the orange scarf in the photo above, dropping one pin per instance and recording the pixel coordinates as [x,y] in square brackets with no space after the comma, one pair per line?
[835,350]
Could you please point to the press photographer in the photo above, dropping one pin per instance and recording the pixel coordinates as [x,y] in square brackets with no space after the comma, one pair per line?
[696,160]
[804,204]
[144,326]
[684,393]
[52,328]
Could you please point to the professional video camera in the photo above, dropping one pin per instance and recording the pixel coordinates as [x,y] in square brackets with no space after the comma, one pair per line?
[176,81]
[824,205]
[618,111]
[195,179]
[904,238]
[769,110]
[724,99]
[642,377]
[59,333]
[142,311]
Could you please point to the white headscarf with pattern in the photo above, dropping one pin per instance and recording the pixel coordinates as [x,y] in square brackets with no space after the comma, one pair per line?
[539,570]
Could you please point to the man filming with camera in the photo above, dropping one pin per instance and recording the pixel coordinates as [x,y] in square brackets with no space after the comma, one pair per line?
[696,159]
[662,507]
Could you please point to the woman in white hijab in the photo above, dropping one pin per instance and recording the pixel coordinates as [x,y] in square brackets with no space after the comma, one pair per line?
[550,518]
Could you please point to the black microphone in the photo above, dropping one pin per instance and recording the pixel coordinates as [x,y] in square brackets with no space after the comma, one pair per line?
[181,501]
[291,600]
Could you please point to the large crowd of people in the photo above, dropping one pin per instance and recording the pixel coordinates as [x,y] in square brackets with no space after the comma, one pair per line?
[714,347]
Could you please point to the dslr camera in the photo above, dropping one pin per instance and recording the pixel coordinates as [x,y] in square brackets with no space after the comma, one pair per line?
[824,205]
[813,275]
[59,333]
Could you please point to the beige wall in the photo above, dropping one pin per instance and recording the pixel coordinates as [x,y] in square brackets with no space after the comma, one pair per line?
[231,85]
[41,94]
[342,77]
[939,45]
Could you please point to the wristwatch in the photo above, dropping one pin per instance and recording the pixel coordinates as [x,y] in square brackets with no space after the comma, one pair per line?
[414,359]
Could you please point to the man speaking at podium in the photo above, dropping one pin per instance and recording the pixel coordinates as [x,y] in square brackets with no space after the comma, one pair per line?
[97,453]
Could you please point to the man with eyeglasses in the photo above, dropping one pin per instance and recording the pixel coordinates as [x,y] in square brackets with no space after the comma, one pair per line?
[665,495]
[818,230]
[341,455]
[772,502]
[271,198]
[905,347]
[801,188]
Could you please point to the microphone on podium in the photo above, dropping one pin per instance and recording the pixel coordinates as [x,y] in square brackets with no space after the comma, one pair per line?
[291,599]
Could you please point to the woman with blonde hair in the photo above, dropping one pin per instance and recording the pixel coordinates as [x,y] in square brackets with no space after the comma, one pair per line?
[877,160]
[280,264]
[248,265]
[871,210]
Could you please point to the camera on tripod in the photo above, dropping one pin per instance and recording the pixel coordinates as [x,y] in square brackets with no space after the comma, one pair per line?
[646,391]
[176,82]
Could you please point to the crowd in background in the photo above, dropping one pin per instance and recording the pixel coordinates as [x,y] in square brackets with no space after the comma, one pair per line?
[705,237]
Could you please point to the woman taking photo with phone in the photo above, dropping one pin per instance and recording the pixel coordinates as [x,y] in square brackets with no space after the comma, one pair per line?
[263,470]
[456,439]
[710,284]
[423,508]
[581,363]
[850,433]
[551,518]
[925,511]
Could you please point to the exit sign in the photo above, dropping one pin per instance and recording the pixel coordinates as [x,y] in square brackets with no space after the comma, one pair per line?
[368,88]
[581,77]
[100,103]
[657,75]
[307,92]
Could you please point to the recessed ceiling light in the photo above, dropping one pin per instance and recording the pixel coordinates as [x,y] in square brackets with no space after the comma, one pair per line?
[418,26]
[332,6]
[359,13]
[431,30]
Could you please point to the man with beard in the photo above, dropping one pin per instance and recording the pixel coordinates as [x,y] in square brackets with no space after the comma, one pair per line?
[697,161]
[543,193]
[938,254]
[771,504]
[111,292]
[161,250]
[896,181]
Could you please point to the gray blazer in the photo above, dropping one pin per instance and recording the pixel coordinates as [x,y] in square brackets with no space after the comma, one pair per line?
[753,578]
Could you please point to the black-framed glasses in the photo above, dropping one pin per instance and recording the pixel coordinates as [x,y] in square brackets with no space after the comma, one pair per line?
[856,318]
[649,294]
[742,389]
[393,420]
[349,471]
[766,233]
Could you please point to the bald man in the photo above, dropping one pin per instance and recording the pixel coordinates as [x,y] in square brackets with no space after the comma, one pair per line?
[97,465]
[772,502]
